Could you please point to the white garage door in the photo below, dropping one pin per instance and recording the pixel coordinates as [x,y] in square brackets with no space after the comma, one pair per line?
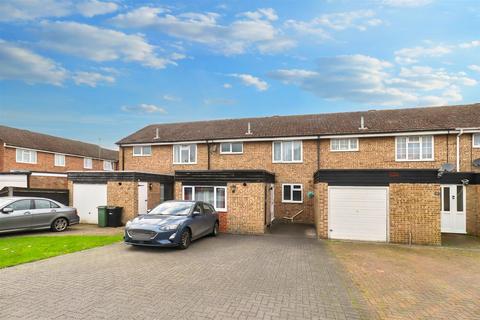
[13,180]
[86,198]
[358,213]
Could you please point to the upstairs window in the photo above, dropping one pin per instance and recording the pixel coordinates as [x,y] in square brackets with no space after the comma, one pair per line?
[476,140]
[292,193]
[87,163]
[142,151]
[414,148]
[350,144]
[184,154]
[287,151]
[59,160]
[107,165]
[231,147]
[26,156]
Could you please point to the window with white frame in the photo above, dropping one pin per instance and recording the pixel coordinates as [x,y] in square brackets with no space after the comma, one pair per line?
[216,196]
[184,153]
[87,163]
[26,156]
[476,140]
[142,151]
[414,148]
[287,151]
[231,147]
[107,165]
[59,160]
[292,193]
[344,144]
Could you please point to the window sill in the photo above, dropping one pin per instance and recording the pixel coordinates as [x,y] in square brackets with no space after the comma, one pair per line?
[420,160]
[183,163]
[287,162]
[25,162]
[141,155]
[344,150]
[284,201]
[231,153]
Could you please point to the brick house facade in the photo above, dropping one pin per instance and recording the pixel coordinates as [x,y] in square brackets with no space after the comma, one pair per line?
[394,141]
[46,158]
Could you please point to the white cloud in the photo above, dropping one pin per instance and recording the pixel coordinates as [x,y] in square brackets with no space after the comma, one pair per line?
[227,85]
[219,102]
[267,13]
[171,98]
[407,3]
[412,55]
[250,80]
[13,10]
[99,44]
[252,29]
[93,7]
[17,63]
[144,108]
[471,44]
[323,24]
[474,67]
[368,80]
[91,79]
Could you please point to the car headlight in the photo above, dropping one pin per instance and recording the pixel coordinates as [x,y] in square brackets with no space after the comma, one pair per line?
[169,227]
[128,223]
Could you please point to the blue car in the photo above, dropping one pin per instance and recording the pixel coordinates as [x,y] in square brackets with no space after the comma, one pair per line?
[173,224]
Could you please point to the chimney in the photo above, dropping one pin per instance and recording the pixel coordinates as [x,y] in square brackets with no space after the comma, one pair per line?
[249,131]
[157,136]
[362,123]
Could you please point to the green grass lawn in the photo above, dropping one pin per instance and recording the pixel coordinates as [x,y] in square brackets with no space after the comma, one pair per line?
[17,250]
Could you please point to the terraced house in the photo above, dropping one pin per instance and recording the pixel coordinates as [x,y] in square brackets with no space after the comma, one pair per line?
[402,175]
[36,160]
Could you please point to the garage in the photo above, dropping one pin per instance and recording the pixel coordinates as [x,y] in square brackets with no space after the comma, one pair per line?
[86,198]
[13,180]
[358,213]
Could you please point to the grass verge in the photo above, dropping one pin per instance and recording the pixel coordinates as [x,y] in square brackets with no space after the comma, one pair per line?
[18,250]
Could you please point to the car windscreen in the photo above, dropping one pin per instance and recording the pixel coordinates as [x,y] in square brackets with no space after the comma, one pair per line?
[173,208]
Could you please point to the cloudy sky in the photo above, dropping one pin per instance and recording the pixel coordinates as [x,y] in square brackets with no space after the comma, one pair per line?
[99,70]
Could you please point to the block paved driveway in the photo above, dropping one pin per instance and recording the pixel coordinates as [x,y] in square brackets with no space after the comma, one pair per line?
[229,277]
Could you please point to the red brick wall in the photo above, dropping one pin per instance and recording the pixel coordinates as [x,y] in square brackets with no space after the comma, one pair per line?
[2,156]
[46,162]
[48,182]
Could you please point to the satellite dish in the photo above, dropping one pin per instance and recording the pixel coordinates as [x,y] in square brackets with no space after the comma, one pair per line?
[446,167]
[476,163]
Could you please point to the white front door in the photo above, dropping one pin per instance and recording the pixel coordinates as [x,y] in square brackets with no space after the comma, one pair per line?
[86,198]
[453,209]
[358,213]
[142,197]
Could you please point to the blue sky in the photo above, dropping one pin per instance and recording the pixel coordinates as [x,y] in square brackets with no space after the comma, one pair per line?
[99,70]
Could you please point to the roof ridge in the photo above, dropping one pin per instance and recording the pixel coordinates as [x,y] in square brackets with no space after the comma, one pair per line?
[313,114]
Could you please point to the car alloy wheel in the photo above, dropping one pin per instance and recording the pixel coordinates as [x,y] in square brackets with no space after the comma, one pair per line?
[60,224]
[215,230]
[185,240]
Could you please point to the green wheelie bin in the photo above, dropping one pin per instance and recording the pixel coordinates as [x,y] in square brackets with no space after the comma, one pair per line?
[102,216]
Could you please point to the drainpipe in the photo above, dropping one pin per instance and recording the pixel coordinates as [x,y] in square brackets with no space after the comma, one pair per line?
[458,149]
[208,154]
[318,153]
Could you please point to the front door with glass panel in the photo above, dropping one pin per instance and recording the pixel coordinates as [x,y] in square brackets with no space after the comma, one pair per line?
[453,209]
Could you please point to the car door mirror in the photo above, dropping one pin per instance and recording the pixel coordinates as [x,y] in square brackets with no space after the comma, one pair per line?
[196,213]
[148,210]
[7,210]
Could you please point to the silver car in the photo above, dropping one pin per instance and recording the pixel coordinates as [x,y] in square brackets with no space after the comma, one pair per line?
[21,213]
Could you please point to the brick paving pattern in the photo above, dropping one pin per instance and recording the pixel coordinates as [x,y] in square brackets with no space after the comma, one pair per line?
[229,277]
[402,282]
